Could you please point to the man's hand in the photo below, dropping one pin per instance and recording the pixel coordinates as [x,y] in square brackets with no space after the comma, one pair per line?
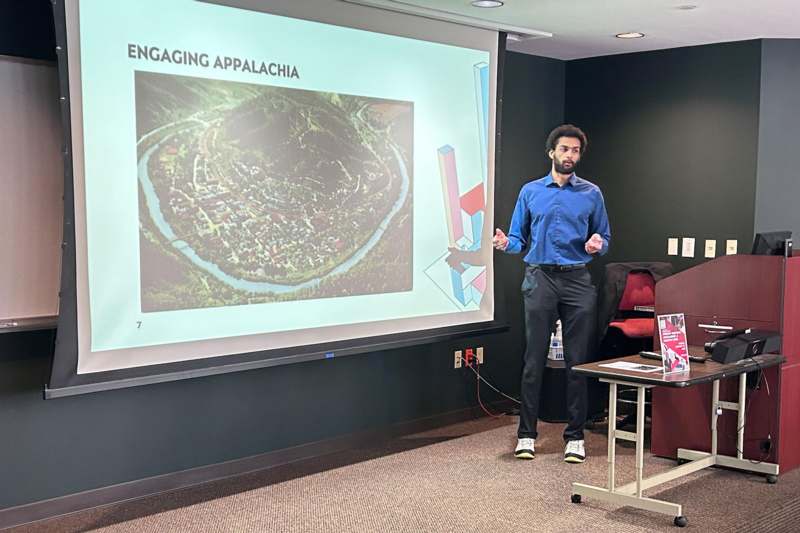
[500,241]
[594,244]
[457,257]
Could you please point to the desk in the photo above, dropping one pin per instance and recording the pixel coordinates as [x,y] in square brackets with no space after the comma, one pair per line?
[711,371]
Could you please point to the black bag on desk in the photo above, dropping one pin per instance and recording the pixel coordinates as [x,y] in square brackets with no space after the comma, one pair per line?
[745,345]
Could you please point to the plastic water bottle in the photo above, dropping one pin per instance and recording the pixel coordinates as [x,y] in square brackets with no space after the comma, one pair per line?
[556,352]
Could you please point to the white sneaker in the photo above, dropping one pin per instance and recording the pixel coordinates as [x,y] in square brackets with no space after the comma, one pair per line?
[525,449]
[575,452]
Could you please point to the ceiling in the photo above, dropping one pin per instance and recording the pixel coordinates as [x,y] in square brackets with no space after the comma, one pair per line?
[586,28]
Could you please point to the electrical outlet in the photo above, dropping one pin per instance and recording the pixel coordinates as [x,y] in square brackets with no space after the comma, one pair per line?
[457,362]
[479,353]
[469,355]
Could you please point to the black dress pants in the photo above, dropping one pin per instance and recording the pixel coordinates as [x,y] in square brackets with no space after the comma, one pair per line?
[548,296]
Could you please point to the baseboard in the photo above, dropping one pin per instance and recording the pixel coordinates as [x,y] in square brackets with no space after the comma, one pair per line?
[114,494]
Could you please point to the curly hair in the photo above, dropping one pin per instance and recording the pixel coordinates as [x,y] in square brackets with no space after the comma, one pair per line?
[566,130]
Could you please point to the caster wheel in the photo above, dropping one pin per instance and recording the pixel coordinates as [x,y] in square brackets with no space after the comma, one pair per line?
[772,479]
[576,498]
[680,521]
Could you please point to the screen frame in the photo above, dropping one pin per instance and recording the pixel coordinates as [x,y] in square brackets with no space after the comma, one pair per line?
[65,381]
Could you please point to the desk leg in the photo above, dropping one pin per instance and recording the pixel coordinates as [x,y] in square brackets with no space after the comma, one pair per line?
[631,494]
[740,420]
[738,462]
[639,439]
[714,416]
[612,432]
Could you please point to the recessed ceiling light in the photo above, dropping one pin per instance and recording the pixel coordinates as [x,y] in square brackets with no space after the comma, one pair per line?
[630,35]
[487,3]
[686,7]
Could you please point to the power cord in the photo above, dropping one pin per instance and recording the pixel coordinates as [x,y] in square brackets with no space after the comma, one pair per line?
[761,377]
[478,388]
[480,378]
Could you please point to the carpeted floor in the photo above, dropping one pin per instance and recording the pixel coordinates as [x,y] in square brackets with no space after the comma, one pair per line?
[461,478]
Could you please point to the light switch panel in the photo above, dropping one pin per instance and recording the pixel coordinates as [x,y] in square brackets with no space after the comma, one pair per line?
[672,246]
[711,248]
[688,247]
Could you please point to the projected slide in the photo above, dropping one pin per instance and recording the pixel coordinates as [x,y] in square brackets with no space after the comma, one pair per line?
[254,193]
[249,182]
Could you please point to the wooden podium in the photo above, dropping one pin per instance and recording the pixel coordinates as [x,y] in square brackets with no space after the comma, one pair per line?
[733,292]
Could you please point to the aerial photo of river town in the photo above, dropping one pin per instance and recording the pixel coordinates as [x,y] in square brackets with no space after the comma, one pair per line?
[253,193]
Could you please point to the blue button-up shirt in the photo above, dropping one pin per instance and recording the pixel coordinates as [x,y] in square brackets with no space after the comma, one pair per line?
[555,222]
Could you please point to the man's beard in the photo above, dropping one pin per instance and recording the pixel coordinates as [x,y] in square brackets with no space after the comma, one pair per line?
[561,169]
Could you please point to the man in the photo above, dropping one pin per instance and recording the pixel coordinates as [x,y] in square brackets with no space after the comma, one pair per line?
[562,220]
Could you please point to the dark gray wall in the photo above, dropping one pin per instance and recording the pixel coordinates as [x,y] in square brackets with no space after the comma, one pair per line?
[533,105]
[673,139]
[55,447]
[26,29]
[58,447]
[778,189]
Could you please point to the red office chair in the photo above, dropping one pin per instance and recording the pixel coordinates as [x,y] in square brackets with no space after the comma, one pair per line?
[639,297]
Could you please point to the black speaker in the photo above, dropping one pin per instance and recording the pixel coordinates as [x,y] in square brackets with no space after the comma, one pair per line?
[745,345]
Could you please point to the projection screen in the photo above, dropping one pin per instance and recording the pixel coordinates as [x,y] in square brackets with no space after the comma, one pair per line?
[257,183]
